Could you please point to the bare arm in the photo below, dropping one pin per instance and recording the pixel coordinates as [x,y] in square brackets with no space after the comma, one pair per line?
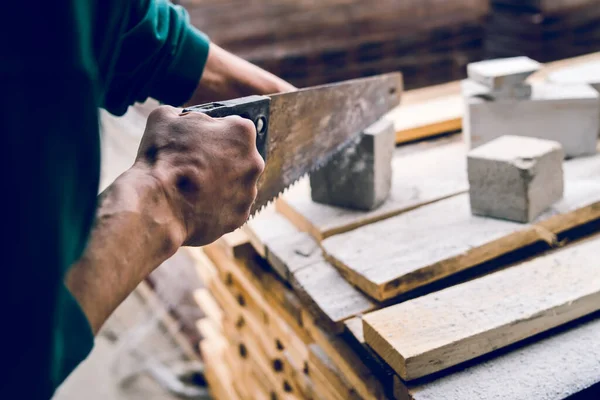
[194,179]
[227,76]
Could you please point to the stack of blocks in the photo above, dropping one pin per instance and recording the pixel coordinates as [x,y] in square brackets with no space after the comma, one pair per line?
[500,102]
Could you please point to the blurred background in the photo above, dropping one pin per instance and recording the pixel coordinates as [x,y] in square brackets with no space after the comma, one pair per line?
[148,349]
[310,42]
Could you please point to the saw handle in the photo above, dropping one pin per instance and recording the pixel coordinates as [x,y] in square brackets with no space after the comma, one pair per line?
[254,108]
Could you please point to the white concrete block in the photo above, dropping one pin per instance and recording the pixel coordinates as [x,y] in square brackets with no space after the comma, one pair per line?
[567,114]
[502,72]
[359,177]
[515,178]
[470,88]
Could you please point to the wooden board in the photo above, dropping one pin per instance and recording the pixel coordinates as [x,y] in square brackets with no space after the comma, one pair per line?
[329,297]
[399,254]
[422,174]
[443,329]
[433,117]
[209,306]
[557,367]
[349,364]
[298,259]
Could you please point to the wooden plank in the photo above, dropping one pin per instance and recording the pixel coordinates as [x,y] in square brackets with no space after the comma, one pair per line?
[349,364]
[216,372]
[422,174]
[394,256]
[320,286]
[321,364]
[429,118]
[208,329]
[557,367]
[328,296]
[209,306]
[262,233]
[440,330]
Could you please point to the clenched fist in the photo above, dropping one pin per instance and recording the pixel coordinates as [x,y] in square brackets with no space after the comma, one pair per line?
[207,167]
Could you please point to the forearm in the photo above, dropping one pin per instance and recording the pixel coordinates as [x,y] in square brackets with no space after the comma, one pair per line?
[135,231]
[228,76]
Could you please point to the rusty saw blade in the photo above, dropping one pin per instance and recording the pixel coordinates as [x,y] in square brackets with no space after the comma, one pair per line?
[299,132]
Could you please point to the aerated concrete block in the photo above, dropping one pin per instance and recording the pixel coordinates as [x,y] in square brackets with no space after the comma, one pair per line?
[359,177]
[471,88]
[503,72]
[567,114]
[515,178]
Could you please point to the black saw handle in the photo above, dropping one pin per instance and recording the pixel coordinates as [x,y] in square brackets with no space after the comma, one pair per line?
[254,108]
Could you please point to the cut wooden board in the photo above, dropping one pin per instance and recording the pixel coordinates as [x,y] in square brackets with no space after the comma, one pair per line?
[297,258]
[434,332]
[429,173]
[329,297]
[399,254]
[556,367]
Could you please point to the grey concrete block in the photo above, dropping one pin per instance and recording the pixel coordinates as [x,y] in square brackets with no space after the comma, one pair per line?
[502,72]
[567,114]
[515,178]
[359,177]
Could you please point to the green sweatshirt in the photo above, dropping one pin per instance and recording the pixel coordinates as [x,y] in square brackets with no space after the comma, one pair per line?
[60,61]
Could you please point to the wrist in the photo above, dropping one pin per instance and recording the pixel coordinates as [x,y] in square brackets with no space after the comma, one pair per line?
[149,198]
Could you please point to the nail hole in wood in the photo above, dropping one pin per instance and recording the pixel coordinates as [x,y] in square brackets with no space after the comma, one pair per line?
[277,365]
[305,368]
[240,323]
[392,90]
[241,301]
[279,345]
[229,279]
[287,387]
[243,350]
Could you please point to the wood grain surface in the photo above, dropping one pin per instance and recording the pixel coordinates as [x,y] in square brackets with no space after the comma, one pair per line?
[437,331]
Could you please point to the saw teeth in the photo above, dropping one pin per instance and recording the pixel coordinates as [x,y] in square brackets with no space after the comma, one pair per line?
[318,165]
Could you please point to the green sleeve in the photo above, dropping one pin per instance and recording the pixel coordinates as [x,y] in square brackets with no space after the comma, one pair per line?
[160,55]
[61,61]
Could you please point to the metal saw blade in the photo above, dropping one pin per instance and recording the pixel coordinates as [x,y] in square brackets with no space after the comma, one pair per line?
[309,126]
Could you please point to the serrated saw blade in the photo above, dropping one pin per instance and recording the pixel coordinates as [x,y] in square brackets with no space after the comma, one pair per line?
[309,126]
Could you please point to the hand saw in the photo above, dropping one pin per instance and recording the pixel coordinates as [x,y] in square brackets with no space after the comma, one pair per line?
[299,132]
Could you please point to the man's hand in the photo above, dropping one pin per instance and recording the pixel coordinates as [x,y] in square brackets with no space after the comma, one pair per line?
[194,179]
[208,169]
[227,76]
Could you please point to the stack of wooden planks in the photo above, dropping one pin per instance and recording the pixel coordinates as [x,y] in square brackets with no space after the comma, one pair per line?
[544,30]
[417,299]
[439,291]
[314,42]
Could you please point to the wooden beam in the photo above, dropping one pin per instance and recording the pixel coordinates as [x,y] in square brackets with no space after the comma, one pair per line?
[422,174]
[399,254]
[443,329]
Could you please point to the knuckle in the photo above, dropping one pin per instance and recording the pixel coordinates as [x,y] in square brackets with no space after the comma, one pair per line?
[243,126]
[162,112]
[257,164]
